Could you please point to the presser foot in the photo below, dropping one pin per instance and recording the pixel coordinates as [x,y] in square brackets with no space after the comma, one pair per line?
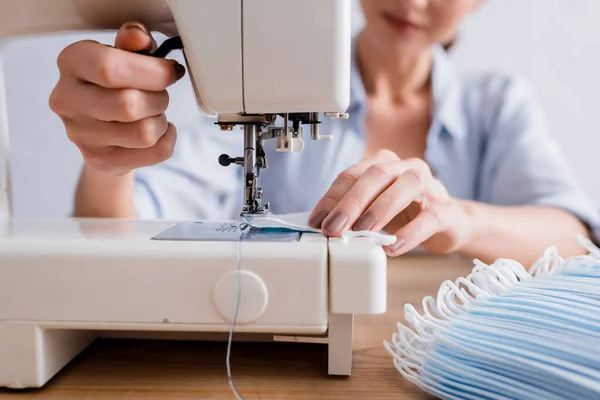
[255,211]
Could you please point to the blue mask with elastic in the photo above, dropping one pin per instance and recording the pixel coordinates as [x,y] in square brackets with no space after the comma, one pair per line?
[503,332]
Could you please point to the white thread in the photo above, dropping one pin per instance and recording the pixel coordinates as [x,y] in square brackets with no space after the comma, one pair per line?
[580,262]
[453,293]
[423,326]
[519,271]
[235,316]
[475,291]
[510,270]
[494,278]
[589,246]
[448,300]
[544,265]
[429,304]
[489,278]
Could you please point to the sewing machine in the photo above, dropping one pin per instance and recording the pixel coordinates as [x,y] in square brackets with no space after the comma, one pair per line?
[66,282]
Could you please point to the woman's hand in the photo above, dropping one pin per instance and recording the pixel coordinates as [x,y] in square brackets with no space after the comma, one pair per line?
[401,197]
[112,101]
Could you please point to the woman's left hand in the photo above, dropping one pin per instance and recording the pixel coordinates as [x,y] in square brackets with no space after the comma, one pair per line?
[401,197]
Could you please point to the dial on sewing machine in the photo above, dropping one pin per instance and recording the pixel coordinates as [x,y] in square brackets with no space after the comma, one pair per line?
[65,282]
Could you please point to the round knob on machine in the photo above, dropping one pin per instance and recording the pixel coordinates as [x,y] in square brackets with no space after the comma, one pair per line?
[253,300]
[225,160]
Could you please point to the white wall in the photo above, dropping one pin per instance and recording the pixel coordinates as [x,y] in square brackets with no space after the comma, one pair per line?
[44,163]
[554,43]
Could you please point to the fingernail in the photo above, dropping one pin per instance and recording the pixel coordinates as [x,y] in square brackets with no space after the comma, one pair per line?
[317,219]
[336,222]
[136,25]
[397,246]
[365,222]
[179,71]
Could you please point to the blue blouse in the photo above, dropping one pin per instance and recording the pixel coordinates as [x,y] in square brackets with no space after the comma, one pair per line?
[488,142]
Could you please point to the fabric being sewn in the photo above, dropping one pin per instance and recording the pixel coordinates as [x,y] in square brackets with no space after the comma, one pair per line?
[299,222]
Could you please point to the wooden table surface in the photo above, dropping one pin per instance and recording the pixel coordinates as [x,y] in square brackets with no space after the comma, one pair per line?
[145,369]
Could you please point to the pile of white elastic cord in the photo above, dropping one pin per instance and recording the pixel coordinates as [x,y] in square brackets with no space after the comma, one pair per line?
[465,346]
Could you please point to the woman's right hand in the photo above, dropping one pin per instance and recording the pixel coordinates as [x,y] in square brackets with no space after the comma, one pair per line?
[112,101]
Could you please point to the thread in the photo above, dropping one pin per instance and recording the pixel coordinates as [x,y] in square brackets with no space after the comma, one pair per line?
[235,316]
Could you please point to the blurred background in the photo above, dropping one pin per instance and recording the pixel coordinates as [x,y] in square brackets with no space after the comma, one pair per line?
[554,44]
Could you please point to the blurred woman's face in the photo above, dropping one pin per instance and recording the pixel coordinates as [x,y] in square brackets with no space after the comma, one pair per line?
[411,26]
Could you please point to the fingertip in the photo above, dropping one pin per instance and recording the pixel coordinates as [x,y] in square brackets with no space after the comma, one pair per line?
[316,218]
[134,36]
[366,222]
[397,248]
[393,254]
[134,25]
[334,223]
[172,131]
[388,252]
[165,148]
[179,71]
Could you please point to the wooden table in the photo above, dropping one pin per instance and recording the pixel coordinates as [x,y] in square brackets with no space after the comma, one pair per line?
[128,369]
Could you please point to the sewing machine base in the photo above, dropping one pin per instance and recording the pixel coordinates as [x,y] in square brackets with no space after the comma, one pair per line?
[64,283]
[33,353]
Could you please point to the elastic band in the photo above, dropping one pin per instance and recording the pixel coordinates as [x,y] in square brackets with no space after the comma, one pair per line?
[589,246]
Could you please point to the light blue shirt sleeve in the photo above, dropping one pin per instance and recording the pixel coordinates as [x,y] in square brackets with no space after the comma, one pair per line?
[192,185]
[522,164]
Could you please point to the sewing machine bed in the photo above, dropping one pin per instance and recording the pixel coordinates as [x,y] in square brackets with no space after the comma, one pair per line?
[65,282]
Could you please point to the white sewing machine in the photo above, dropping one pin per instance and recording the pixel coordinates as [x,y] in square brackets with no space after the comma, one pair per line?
[64,283]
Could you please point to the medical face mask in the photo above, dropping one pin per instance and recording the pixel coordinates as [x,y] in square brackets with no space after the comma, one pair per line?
[505,332]
[497,365]
[298,222]
[527,321]
[489,384]
[539,343]
[510,354]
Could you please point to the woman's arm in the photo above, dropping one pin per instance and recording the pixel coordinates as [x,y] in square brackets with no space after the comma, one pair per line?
[101,195]
[402,197]
[520,233]
[528,196]
[113,103]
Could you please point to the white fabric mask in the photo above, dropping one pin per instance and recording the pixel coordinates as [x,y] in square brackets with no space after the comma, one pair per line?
[299,222]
